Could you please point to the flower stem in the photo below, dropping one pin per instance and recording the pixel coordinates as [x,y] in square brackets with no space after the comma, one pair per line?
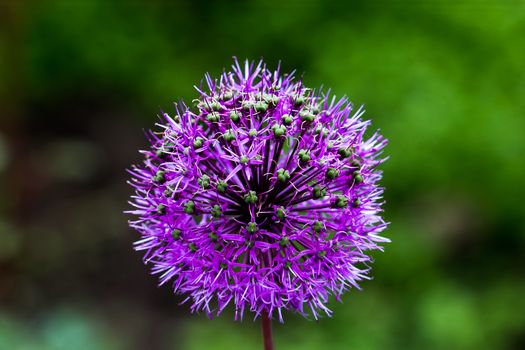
[266,323]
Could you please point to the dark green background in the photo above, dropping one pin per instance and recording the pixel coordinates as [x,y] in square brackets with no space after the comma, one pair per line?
[444,81]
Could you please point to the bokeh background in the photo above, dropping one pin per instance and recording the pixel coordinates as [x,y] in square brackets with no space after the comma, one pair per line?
[443,80]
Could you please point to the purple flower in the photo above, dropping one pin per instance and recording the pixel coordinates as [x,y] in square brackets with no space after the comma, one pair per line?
[264,196]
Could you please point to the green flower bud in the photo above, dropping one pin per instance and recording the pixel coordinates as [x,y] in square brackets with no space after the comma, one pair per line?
[213,117]
[159,177]
[160,153]
[216,211]
[250,197]
[221,186]
[192,247]
[168,191]
[298,100]
[304,155]
[228,135]
[252,227]
[204,181]
[252,133]
[283,175]
[315,108]
[216,106]
[189,207]
[228,95]
[261,106]
[281,212]
[271,99]
[244,159]
[318,192]
[246,105]
[322,130]
[213,236]
[197,142]
[279,130]
[332,173]
[344,152]
[175,234]
[234,116]
[287,119]
[306,116]
[161,209]
[341,202]
[358,177]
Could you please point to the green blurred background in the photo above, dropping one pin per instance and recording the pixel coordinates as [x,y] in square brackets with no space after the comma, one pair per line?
[444,81]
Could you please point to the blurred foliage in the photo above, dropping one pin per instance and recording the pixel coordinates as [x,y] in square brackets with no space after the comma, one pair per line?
[443,80]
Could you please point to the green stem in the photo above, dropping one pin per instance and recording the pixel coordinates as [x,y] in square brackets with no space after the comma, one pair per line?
[266,323]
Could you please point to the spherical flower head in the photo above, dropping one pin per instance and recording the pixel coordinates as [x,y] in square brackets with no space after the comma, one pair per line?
[264,196]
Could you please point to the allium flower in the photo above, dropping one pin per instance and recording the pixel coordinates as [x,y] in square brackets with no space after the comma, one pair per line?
[264,196]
